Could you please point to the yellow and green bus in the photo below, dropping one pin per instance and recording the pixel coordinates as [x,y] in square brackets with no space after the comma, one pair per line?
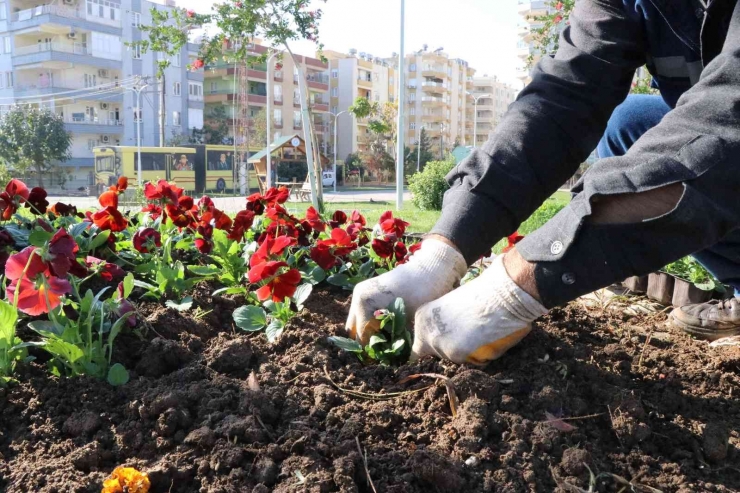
[196,168]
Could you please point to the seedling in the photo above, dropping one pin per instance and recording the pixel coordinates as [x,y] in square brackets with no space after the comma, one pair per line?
[391,345]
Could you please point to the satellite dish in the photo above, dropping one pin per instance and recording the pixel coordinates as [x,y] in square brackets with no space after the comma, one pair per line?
[295,142]
[352,51]
[394,55]
[424,47]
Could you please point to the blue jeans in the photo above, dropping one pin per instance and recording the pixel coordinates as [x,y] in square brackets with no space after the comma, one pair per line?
[630,120]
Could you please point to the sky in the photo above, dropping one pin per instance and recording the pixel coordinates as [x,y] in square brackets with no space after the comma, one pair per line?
[482,32]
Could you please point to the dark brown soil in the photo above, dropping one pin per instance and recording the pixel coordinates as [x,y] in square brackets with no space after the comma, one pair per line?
[663,414]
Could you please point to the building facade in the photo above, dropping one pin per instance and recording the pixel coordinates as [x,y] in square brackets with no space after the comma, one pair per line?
[494,98]
[222,86]
[71,56]
[529,10]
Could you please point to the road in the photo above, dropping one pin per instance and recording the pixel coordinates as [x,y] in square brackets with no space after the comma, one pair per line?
[235,204]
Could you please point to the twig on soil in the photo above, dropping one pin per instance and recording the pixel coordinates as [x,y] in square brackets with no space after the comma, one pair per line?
[272,437]
[297,377]
[364,463]
[644,347]
[373,397]
[451,394]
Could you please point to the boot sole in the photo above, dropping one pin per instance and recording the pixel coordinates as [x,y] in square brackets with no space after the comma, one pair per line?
[703,332]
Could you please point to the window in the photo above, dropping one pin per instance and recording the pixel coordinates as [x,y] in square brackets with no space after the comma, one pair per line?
[376,77]
[277,117]
[176,60]
[7,45]
[412,67]
[335,109]
[3,11]
[214,87]
[297,119]
[412,111]
[176,118]
[377,97]
[176,89]
[9,80]
[412,125]
[137,114]
[91,144]
[334,92]
[296,96]
[90,80]
[136,52]
[334,73]
[135,19]
[412,96]
[195,91]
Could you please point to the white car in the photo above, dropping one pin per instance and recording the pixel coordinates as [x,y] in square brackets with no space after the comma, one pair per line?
[327,178]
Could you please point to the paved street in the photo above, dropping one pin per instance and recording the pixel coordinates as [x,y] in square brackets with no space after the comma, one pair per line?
[235,204]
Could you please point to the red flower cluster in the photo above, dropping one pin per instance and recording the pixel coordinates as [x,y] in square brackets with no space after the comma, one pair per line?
[146,240]
[109,217]
[389,243]
[327,253]
[16,192]
[513,239]
[281,281]
[31,281]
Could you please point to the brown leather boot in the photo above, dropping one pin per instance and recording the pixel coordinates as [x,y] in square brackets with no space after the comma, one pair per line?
[712,320]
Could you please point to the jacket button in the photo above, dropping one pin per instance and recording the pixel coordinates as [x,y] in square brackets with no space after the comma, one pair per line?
[556,247]
[568,278]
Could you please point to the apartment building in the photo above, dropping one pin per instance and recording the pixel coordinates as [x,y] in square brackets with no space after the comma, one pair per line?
[494,98]
[354,75]
[222,87]
[438,98]
[71,57]
[529,10]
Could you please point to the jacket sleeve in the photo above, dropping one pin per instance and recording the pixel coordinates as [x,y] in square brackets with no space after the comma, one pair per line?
[698,145]
[550,129]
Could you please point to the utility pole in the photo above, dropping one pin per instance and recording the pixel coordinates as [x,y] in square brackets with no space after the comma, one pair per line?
[401,125]
[270,96]
[137,91]
[336,117]
[162,112]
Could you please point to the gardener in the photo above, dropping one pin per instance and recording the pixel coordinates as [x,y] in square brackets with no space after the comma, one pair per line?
[668,184]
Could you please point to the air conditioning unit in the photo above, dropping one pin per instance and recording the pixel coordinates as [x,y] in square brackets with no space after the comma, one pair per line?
[103,73]
[69,2]
[72,35]
[105,139]
[104,106]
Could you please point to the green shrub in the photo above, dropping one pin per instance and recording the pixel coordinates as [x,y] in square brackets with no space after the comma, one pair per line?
[428,187]
[534,222]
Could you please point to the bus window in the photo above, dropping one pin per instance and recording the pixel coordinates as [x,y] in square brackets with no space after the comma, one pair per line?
[152,161]
[220,161]
[182,163]
[105,164]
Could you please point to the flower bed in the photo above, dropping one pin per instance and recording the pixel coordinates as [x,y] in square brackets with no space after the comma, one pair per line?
[212,405]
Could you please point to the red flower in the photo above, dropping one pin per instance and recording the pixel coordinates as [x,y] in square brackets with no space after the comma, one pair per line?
[15,193]
[399,249]
[204,241]
[198,64]
[109,198]
[153,210]
[109,218]
[167,192]
[271,249]
[37,201]
[61,255]
[61,210]
[559,6]
[414,248]
[37,290]
[276,196]
[513,239]
[338,219]
[392,225]
[278,286]
[190,14]
[254,204]
[183,213]
[278,66]
[216,218]
[383,248]
[146,240]
[107,270]
[358,219]
[242,222]
[314,219]
[125,306]
[557,19]
[326,253]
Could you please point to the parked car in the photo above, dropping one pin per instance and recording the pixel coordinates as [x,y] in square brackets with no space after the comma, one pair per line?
[327,178]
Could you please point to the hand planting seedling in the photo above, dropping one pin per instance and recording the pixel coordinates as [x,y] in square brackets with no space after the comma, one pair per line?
[391,345]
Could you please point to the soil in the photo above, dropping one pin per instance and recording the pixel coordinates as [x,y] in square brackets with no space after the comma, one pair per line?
[210,408]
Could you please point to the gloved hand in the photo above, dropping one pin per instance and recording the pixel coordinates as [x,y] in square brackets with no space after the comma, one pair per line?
[430,273]
[478,322]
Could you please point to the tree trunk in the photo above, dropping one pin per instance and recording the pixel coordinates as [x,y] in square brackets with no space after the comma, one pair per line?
[39,171]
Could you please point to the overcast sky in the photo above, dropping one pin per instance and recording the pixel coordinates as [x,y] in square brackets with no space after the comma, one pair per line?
[482,32]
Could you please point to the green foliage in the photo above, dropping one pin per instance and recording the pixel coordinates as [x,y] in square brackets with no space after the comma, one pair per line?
[428,187]
[33,138]
[688,269]
[544,213]
[391,345]
[423,152]
[231,262]
[216,128]
[273,317]
[287,171]
[11,350]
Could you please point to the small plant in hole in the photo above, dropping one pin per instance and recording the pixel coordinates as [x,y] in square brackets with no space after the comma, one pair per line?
[391,345]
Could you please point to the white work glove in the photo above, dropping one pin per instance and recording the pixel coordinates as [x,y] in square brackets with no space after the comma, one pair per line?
[433,271]
[478,322]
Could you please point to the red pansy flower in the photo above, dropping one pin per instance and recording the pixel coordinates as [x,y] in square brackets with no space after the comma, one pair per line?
[146,240]
[254,204]
[216,218]
[276,196]
[383,248]
[271,249]
[37,201]
[242,222]
[314,219]
[198,64]
[37,290]
[15,193]
[154,211]
[513,239]
[61,210]
[164,191]
[339,218]
[204,240]
[358,219]
[183,214]
[61,255]
[326,253]
[400,251]
[414,248]
[392,225]
[109,218]
[279,286]
[107,270]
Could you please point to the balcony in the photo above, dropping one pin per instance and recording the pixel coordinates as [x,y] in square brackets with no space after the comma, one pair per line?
[434,87]
[532,8]
[433,101]
[83,124]
[320,107]
[70,93]
[277,123]
[321,127]
[434,72]
[432,117]
[278,99]
[365,82]
[278,75]
[58,19]
[297,125]
[318,81]
[59,55]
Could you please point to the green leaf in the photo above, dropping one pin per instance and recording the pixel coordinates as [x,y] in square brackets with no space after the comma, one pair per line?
[204,270]
[398,308]
[274,330]
[250,318]
[117,375]
[377,339]
[128,285]
[144,285]
[366,268]
[99,239]
[8,318]
[398,345]
[346,344]
[183,306]
[76,230]
[39,238]
[313,274]
[302,294]
[230,290]
[340,280]
[709,285]
[44,327]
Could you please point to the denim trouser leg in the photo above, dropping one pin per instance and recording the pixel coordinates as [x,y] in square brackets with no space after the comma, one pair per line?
[635,116]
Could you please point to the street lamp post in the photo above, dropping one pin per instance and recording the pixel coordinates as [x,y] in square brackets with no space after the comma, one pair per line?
[336,118]
[269,117]
[401,128]
[137,90]
[418,150]
[475,109]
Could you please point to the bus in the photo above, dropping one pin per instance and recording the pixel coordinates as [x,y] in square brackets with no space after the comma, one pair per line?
[195,168]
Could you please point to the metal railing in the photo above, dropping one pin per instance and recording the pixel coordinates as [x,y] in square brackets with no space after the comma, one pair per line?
[320,78]
[68,12]
[87,120]
[71,48]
